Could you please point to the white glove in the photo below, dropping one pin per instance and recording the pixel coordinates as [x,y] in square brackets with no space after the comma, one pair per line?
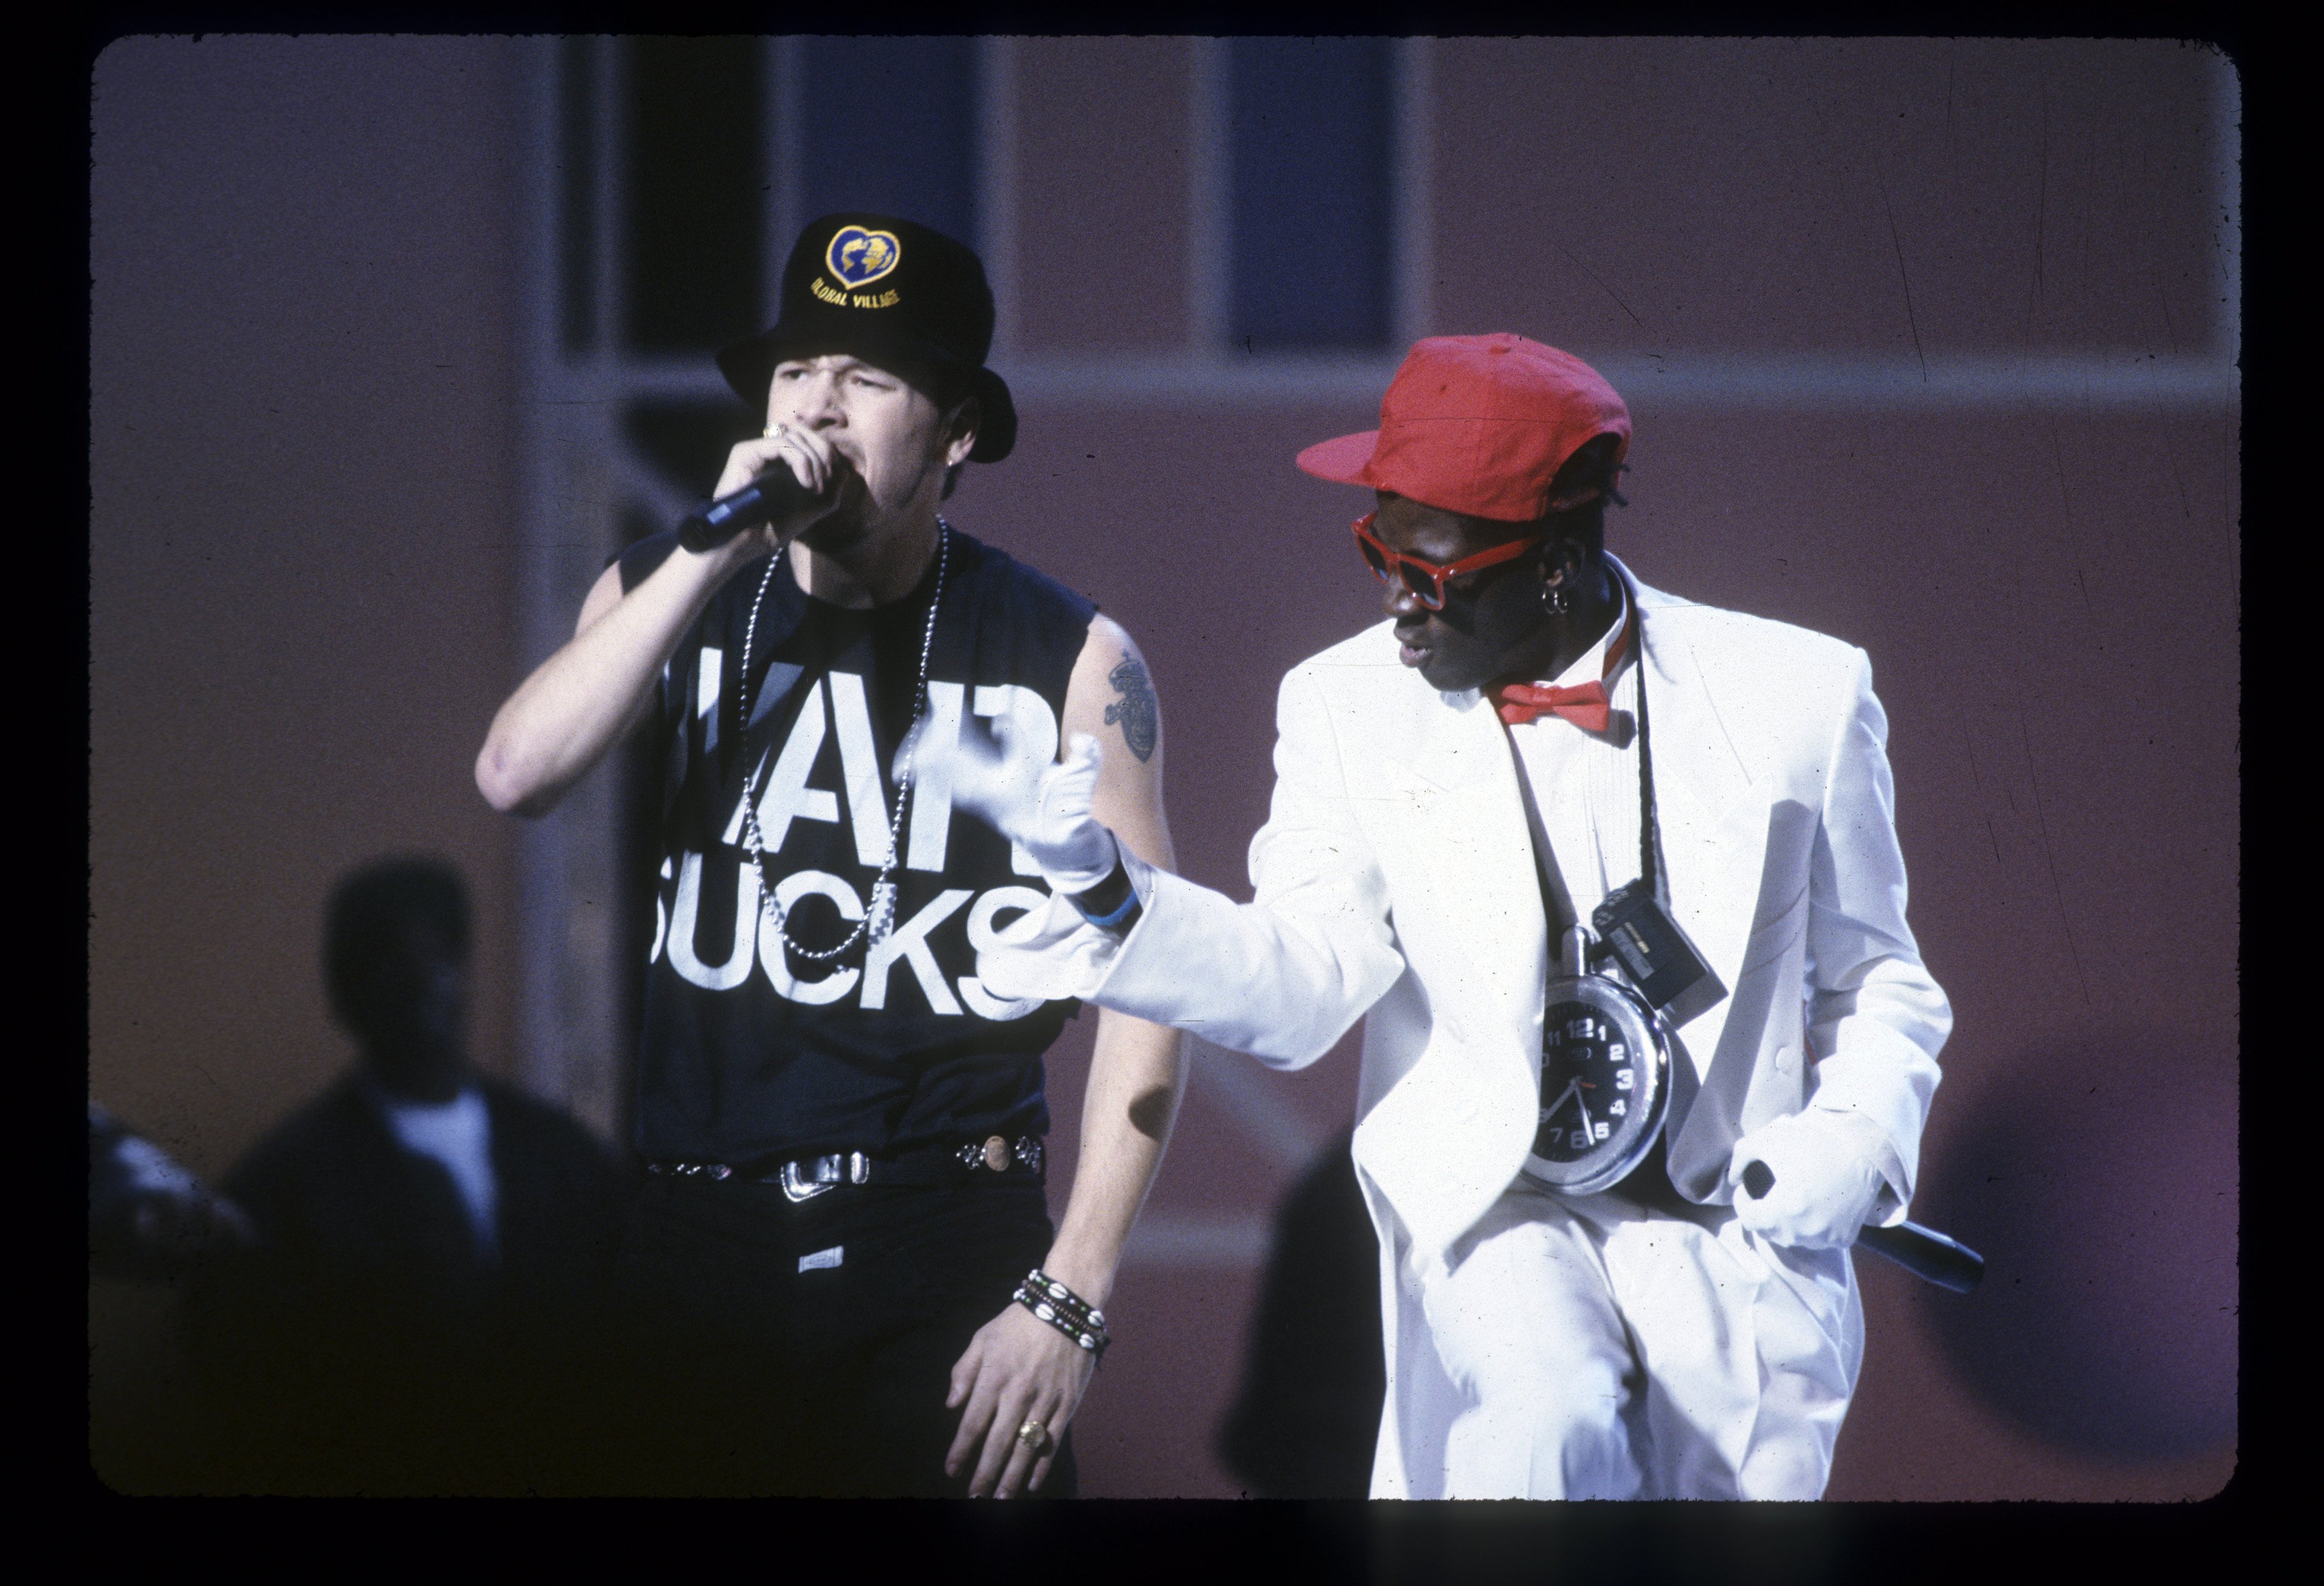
[1044,810]
[1826,1183]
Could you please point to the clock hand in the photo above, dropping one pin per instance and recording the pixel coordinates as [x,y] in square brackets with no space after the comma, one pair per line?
[1568,1090]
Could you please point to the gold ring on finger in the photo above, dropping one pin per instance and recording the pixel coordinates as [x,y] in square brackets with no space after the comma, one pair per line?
[1035,1436]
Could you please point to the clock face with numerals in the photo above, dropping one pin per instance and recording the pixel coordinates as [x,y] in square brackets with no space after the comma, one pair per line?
[1604,1069]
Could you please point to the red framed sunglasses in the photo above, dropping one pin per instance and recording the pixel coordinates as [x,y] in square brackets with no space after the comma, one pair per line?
[1426,579]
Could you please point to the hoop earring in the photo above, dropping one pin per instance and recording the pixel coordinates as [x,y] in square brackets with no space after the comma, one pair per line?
[1557,600]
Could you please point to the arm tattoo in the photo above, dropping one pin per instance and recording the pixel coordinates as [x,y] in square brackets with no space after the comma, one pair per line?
[1139,713]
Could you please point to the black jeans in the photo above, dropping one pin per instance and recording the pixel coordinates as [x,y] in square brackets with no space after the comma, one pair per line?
[744,1374]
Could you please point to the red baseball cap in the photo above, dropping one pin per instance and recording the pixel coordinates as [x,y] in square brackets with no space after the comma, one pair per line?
[1478,425]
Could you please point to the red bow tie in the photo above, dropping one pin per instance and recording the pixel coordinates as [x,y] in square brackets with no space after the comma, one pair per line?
[1584,705]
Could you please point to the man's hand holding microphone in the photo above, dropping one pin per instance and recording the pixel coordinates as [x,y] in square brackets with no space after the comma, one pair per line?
[773,490]
[1817,1183]
[1810,1179]
[579,703]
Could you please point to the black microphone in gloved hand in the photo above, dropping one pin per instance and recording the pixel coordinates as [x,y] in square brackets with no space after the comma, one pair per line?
[771,494]
[1923,1251]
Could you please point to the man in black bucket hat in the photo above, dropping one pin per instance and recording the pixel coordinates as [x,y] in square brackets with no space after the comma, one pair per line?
[898,294]
[842,1278]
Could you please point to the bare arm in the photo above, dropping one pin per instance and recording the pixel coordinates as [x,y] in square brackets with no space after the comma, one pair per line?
[586,697]
[1018,1368]
[580,702]
[1138,1071]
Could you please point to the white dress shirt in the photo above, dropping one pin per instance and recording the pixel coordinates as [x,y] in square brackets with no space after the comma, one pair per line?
[1585,783]
[457,1133]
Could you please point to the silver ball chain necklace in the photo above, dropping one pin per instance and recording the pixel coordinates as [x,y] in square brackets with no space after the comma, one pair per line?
[880,918]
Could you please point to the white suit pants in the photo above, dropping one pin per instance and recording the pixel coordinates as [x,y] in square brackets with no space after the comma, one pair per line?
[1586,1348]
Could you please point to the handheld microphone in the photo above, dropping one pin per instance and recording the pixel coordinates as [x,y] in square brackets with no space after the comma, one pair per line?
[713,523]
[1923,1251]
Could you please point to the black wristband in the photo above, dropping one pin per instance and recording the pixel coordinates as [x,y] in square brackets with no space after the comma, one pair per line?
[1113,904]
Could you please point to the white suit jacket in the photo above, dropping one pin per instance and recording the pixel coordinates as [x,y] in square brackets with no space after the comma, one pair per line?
[1395,883]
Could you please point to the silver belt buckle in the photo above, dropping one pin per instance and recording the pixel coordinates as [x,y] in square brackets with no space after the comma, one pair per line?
[796,1188]
[855,1167]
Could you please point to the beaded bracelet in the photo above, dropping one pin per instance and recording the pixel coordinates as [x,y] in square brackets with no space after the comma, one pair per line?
[1065,1310]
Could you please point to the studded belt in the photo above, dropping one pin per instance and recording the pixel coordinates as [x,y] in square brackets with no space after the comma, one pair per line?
[937,1166]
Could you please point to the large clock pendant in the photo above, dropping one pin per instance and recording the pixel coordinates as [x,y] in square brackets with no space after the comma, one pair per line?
[1605,1078]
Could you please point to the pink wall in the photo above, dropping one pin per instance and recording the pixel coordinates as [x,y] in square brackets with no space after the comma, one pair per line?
[301,436]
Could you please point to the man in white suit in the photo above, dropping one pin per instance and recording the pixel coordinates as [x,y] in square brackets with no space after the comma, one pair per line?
[1669,1337]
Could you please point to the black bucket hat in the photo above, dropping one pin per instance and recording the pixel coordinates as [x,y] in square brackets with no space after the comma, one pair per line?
[886,291]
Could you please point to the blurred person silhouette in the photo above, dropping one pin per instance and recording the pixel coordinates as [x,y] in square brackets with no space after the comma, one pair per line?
[1308,1415]
[432,1243]
[149,1219]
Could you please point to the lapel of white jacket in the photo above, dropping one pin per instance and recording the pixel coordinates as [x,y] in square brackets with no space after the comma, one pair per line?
[1479,920]
[1712,812]
[1467,916]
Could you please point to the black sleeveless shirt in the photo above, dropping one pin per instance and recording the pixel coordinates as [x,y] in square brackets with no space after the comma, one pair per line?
[752,1050]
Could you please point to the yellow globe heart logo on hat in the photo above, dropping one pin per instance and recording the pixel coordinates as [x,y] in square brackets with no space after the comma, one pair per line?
[858,257]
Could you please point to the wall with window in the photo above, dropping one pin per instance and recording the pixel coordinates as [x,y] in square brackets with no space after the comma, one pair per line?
[1930,345]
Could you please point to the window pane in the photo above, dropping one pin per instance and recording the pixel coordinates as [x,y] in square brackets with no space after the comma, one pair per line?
[685,439]
[1309,125]
[890,125]
[693,192]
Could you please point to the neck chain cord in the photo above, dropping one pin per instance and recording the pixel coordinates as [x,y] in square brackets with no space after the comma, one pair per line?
[1649,832]
[880,918]
[1650,868]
